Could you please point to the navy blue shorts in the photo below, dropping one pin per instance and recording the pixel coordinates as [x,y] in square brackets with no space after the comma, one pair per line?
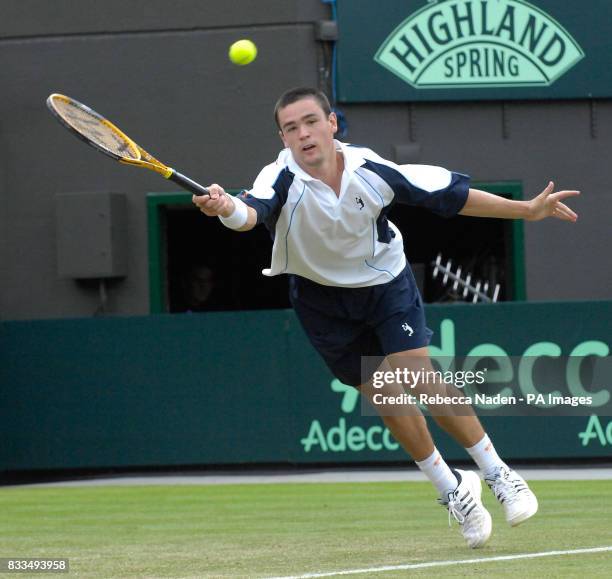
[344,324]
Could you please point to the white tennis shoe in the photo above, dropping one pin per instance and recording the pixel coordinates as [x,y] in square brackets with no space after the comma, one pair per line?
[465,506]
[515,496]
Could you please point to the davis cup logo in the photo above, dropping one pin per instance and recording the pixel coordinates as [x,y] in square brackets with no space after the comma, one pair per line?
[479,43]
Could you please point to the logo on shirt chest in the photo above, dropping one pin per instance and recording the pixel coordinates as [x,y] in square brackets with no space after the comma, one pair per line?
[359,202]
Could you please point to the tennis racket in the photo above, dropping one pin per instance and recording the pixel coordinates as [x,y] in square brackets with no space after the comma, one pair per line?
[101,134]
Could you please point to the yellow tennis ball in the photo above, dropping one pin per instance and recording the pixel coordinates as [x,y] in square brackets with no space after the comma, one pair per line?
[242,52]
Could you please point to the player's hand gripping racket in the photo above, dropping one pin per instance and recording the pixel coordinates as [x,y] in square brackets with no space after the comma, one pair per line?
[101,134]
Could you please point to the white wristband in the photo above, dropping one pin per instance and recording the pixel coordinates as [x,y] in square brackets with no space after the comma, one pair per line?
[239,217]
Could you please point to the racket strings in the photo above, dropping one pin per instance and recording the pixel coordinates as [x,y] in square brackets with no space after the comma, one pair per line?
[96,129]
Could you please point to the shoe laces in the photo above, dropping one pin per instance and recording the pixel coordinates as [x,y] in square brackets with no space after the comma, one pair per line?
[459,507]
[506,487]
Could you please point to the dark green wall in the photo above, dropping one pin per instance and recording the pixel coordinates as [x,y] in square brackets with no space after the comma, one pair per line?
[228,388]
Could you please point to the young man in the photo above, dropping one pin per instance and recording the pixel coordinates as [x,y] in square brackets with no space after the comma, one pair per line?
[326,204]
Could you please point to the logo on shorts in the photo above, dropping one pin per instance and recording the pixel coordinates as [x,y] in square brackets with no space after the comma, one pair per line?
[407,328]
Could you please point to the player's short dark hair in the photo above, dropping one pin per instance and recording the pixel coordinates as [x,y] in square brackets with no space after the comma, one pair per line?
[297,94]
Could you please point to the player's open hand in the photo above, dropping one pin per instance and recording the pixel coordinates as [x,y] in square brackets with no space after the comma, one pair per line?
[549,204]
[218,202]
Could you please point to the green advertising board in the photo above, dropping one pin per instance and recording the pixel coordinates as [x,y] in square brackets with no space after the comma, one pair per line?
[414,50]
[330,425]
[247,388]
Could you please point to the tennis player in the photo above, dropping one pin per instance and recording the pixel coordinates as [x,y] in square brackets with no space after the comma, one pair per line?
[326,205]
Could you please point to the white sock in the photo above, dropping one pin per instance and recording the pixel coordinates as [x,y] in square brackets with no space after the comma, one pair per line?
[438,472]
[485,455]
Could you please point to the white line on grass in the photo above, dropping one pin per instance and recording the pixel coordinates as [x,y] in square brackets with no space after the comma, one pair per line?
[446,563]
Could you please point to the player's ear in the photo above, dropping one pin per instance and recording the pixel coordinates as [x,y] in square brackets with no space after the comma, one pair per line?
[282,138]
[333,121]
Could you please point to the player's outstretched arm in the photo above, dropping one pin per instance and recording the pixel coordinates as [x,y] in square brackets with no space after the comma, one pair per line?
[546,204]
[220,204]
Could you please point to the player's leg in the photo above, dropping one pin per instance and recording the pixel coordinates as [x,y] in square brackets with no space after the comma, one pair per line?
[510,489]
[333,321]
[459,490]
[409,428]
[398,321]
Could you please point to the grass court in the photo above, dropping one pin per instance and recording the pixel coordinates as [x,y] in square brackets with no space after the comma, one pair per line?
[292,529]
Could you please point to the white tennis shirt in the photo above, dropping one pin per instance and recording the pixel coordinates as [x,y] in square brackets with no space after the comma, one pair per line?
[346,240]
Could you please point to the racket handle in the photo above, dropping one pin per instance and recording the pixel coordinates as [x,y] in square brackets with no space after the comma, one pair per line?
[187,183]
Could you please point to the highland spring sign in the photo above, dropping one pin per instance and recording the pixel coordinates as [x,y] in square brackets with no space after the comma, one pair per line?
[481,43]
[470,49]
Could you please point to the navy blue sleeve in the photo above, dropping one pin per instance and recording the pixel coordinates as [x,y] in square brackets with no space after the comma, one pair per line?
[445,201]
[265,208]
[269,200]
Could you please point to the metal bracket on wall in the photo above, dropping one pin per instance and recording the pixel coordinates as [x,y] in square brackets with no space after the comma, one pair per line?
[326,30]
[593,118]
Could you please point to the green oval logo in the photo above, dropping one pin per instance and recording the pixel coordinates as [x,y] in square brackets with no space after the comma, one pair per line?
[479,43]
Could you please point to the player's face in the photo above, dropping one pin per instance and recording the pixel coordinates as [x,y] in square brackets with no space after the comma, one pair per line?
[308,132]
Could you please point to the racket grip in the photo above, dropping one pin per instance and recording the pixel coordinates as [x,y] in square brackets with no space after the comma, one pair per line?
[187,183]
